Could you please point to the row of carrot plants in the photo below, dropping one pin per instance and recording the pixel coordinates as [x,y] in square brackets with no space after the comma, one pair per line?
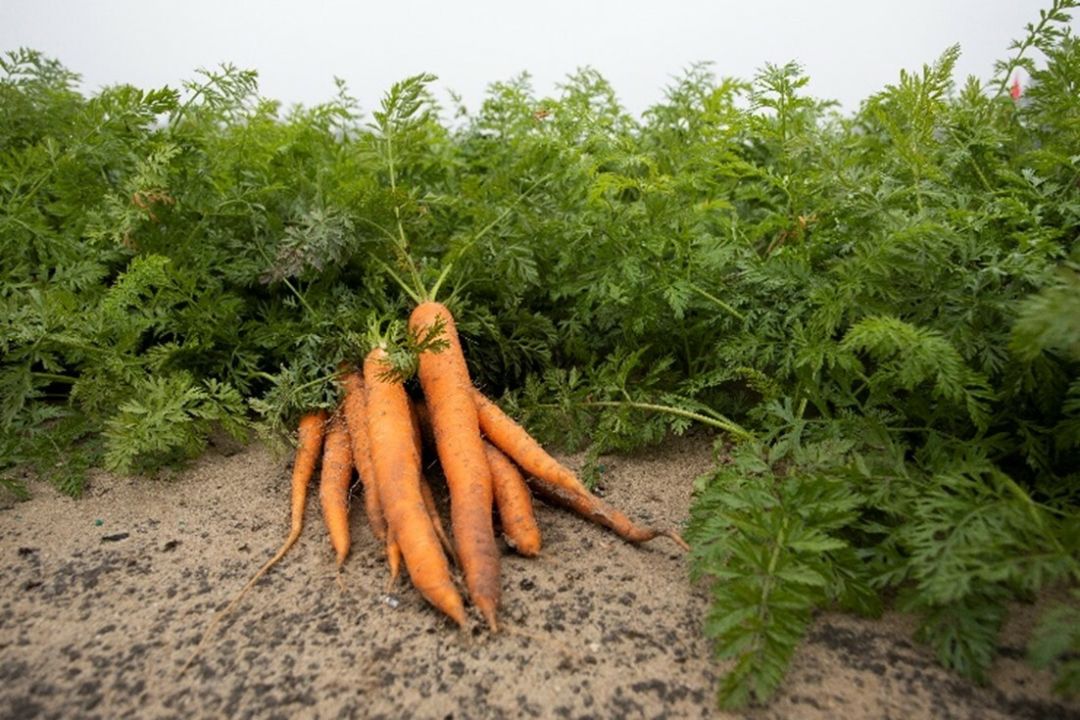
[875,314]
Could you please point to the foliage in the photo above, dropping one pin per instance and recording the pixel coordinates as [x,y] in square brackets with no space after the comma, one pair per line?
[1057,642]
[879,311]
[768,529]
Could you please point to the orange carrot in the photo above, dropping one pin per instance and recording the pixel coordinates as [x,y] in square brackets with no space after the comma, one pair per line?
[416,409]
[334,485]
[514,503]
[421,423]
[589,506]
[436,521]
[505,434]
[355,406]
[444,378]
[309,444]
[553,480]
[393,559]
[397,473]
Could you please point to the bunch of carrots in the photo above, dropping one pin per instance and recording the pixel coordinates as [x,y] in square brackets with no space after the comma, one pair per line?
[489,461]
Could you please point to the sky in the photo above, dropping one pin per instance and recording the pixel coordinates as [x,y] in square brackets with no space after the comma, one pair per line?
[850,48]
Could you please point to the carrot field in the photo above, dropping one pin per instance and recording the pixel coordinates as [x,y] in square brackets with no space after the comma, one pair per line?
[431,326]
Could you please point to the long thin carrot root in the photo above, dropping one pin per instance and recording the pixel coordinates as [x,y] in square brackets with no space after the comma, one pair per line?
[334,485]
[355,407]
[589,506]
[309,443]
[553,480]
[436,521]
[504,433]
[421,428]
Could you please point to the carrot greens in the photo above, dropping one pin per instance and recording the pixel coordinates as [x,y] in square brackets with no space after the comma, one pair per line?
[873,315]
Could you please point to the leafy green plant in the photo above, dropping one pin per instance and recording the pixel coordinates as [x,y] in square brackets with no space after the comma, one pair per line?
[1056,644]
[876,311]
[768,530]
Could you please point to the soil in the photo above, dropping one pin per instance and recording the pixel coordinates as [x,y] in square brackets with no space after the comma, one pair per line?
[104,598]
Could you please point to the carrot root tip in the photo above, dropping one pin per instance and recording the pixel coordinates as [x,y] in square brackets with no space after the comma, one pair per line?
[677,539]
[487,609]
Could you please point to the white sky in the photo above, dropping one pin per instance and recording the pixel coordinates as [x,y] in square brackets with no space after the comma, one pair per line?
[850,48]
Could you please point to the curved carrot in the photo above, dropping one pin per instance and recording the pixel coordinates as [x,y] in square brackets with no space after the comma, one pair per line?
[309,442]
[589,506]
[555,481]
[334,485]
[355,407]
[444,378]
[397,473]
[514,503]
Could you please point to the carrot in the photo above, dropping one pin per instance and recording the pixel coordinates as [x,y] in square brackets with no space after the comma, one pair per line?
[393,559]
[356,416]
[355,406]
[309,443]
[589,506]
[444,378]
[334,485]
[436,521]
[417,419]
[505,434]
[422,419]
[553,480]
[397,473]
[421,423]
[514,503]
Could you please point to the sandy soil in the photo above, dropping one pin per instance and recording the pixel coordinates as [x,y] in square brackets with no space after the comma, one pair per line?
[104,598]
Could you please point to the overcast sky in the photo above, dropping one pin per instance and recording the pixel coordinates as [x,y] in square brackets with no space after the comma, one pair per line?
[850,48]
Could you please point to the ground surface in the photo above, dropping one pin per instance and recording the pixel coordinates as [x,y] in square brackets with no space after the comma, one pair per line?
[103,599]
